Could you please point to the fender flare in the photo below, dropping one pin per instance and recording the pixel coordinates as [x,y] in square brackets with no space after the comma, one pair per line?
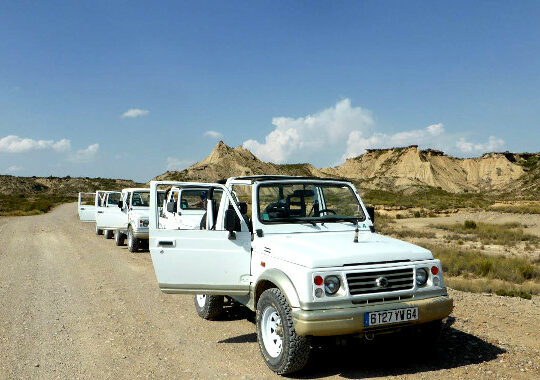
[282,282]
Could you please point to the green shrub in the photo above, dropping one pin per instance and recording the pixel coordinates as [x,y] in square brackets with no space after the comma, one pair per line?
[470,225]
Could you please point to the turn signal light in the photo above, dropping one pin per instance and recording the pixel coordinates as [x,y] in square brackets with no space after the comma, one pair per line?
[434,270]
[318,280]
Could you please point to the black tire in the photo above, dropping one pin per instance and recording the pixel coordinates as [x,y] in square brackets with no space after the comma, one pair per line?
[108,234]
[212,308]
[99,231]
[295,349]
[132,241]
[119,238]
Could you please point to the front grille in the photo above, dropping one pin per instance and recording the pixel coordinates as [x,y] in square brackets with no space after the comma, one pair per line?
[366,282]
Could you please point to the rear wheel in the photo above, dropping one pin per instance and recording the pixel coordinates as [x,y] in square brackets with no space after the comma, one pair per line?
[282,349]
[119,238]
[108,234]
[133,242]
[208,307]
[99,231]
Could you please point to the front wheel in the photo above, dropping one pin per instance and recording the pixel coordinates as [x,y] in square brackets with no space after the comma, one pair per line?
[108,234]
[99,231]
[208,307]
[133,242]
[282,349]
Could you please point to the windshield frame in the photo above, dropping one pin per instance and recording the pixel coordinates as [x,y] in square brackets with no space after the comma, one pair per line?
[311,220]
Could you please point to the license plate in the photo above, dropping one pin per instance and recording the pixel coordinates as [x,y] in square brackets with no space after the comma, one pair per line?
[390,316]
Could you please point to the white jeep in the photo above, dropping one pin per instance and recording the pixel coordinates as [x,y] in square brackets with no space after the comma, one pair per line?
[303,253]
[132,224]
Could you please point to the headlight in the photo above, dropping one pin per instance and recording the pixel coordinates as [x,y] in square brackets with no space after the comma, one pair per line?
[331,284]
[421,277]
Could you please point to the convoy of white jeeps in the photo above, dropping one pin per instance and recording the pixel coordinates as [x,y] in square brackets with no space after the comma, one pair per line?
[301,252]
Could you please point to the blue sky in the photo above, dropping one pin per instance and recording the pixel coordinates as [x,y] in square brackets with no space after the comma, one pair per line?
[292,81]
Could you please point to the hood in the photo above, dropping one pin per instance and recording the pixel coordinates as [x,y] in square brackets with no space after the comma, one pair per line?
[335,249]
[140,213]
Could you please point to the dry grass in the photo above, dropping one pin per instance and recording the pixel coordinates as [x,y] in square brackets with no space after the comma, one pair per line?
[475,264]
[507,234]
[533,208]
[499,287]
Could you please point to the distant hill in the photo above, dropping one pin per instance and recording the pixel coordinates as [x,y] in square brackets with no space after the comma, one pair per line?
[35,195]
[60,186]
[393,169]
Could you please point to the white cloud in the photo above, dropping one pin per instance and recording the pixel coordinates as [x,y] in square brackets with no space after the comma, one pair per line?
[133,113]
[85,155]
[14,169]
[493,144]
[213,134]
[174,163]
[316,136]
[16,144]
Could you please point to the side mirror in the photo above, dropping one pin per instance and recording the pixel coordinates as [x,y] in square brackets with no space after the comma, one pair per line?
[171,206]
[230,220]
[371,213]
[120,204]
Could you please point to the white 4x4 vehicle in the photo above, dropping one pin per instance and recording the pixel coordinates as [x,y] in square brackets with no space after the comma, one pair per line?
[303,253]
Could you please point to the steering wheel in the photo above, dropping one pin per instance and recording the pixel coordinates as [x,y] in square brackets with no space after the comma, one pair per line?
[327,210]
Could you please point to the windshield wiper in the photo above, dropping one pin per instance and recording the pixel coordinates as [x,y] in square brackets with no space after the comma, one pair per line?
[295,220]
[352,219]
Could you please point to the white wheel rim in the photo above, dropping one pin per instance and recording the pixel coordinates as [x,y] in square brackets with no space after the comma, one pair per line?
[201,300]
[271,331]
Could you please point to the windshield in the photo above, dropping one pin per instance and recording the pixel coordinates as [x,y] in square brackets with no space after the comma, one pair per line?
[308,202]
[140,199]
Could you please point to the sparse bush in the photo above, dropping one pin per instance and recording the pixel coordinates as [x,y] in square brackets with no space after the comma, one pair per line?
[513,293]
[470,224]
[417,214]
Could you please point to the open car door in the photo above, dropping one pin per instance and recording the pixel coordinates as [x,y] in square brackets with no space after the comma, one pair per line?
[108,215]
[195,261]
[86,207]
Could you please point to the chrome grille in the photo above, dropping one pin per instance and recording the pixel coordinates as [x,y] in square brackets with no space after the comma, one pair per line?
[374,281]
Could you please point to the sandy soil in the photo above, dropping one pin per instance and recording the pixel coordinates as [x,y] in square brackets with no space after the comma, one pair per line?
[73,305]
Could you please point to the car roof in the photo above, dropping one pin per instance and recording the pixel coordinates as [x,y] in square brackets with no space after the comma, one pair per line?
[262,178]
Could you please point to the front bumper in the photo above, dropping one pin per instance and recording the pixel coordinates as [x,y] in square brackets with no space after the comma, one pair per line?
[351,320]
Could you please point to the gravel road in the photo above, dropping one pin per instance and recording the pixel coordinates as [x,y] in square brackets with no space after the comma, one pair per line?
[73,305]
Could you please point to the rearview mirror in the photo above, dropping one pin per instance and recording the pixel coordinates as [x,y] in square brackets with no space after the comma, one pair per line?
[371,212]
[120,204]
[230,220]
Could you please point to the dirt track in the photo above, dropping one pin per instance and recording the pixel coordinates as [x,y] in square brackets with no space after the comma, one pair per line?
[73,305]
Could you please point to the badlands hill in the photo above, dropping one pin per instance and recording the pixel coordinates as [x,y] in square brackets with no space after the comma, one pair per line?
[391,169]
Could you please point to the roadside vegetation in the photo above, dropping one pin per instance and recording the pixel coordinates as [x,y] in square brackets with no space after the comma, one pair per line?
[507,234]
[526,208]
[21,196]
[21,204]
[427,198]
[472,270]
